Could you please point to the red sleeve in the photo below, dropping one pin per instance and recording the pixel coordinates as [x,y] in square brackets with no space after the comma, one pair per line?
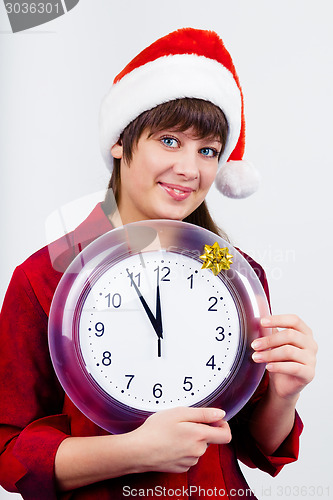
[247,449]
[30,395]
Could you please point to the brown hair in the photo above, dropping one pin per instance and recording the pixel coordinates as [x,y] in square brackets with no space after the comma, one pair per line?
[181,114]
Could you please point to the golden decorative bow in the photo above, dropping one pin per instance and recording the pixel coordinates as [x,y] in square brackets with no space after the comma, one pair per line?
[216,258]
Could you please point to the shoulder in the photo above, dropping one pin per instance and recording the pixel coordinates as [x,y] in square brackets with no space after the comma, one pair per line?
[38,276]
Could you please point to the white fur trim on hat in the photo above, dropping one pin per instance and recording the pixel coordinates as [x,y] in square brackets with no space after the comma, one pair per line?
[164,79]
[237,179]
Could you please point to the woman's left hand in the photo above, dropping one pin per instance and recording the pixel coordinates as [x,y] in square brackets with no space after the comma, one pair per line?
[290,354]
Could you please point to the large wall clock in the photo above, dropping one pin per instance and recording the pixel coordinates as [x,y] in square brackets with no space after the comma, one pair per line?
[137,325]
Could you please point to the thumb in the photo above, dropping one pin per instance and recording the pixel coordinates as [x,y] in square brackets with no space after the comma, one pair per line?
[201,415]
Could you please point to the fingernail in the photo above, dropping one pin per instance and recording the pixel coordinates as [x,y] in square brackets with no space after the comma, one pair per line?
[256,344]
[256,356]
[219,414]
[265,321]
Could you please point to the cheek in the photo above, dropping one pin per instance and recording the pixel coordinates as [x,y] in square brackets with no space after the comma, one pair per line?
[156,164]
[208,177]
[148,166]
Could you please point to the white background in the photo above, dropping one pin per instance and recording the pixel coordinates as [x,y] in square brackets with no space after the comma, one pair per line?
[53,78]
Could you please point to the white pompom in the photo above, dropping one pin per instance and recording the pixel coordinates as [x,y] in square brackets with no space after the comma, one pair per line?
[237,179]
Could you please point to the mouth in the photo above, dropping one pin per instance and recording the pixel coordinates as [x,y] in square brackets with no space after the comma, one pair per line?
[176,192]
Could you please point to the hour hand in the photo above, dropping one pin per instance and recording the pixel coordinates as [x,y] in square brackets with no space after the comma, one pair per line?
[156,323]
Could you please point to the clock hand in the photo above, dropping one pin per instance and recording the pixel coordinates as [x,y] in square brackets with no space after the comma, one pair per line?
[159,330]
[156,323]
[158,312]
[159,320]
[159,353]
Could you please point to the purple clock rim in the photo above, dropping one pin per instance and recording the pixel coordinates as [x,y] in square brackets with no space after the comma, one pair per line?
[113,246]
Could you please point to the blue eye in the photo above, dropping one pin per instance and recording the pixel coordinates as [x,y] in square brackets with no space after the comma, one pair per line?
[170,142]
[209,152]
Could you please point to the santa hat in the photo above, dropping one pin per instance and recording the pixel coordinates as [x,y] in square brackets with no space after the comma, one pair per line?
[186,63]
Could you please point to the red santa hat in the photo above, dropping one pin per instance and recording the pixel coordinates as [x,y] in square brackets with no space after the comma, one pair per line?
[186,63]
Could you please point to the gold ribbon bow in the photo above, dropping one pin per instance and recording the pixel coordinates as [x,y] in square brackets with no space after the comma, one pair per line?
[216,258]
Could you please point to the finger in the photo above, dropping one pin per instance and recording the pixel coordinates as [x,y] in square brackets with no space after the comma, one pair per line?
[280,338]
[215,434]
[284,353]
[286,321]
[198,415]
[300,371]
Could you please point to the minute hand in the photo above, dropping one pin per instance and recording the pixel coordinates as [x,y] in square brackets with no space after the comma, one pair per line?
[159,321]
[158,311]
[155,322]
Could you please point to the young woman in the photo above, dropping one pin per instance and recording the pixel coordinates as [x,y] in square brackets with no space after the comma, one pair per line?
[172,117]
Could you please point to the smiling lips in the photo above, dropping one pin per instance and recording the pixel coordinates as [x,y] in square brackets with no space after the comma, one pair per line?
[176,192]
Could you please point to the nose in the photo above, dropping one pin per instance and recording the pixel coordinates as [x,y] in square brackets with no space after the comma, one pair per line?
[186,165]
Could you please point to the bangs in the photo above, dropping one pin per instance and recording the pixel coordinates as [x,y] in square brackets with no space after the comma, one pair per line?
[205,118]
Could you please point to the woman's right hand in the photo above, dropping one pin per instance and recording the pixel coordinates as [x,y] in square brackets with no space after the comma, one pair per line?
[173,440]
[168,441]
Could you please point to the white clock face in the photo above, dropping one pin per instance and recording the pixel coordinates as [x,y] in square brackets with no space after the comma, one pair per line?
[156,331]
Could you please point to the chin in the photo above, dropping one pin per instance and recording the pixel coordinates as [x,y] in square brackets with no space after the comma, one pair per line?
[173,215]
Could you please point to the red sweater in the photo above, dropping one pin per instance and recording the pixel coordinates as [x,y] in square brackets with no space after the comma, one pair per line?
[36,415]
